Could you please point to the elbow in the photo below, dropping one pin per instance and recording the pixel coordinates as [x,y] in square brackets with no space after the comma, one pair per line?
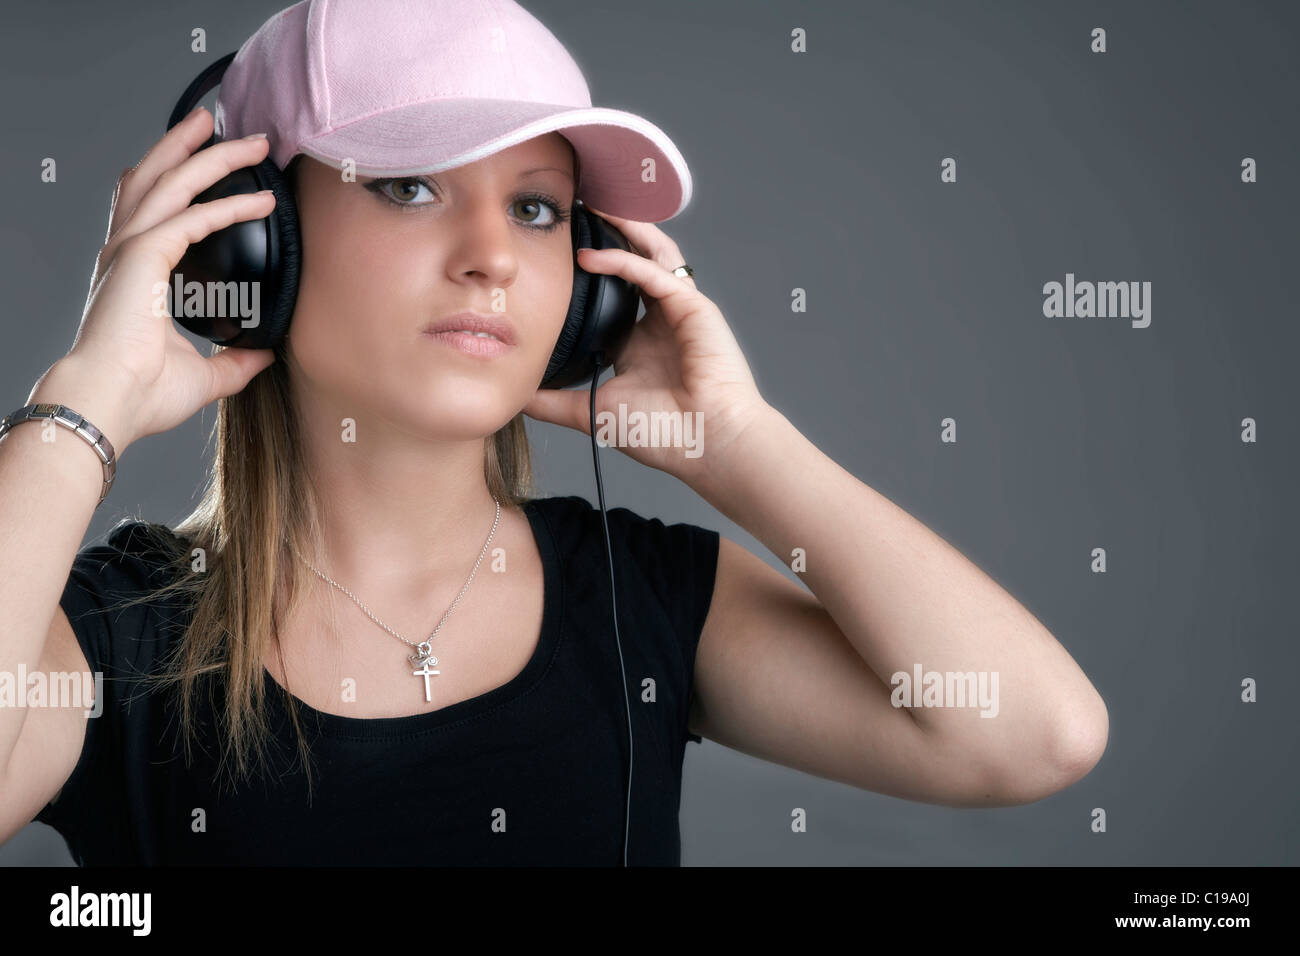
[1082,739]
[1069,755]
[1076,746]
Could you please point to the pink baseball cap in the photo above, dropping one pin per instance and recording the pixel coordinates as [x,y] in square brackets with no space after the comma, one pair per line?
[408,87]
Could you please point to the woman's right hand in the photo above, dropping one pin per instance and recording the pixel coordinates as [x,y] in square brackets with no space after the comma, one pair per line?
[129,364]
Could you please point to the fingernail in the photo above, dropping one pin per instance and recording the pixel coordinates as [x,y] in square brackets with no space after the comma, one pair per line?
[265,192]
[196,111]
[255,136]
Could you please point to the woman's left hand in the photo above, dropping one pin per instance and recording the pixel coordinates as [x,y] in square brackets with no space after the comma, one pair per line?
[681,358]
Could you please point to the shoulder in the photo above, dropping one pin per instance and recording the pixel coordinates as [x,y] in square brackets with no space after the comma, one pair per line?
[578,508]
[145,540]
[112,582]
[109,594]
[676,562]
[134,555]
[574,521]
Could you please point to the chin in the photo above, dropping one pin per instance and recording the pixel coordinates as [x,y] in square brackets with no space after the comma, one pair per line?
[460,409]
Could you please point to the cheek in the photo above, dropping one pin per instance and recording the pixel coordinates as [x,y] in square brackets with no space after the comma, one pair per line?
[541,300]
[357,296]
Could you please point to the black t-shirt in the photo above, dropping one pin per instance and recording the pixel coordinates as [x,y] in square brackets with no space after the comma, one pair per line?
[544,753]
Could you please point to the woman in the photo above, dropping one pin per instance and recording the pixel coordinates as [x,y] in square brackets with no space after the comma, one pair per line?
[365,468]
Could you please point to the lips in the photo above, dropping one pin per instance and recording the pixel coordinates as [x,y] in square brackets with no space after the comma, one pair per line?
[474,323]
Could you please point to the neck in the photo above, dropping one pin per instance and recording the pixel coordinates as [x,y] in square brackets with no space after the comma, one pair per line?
[403,517]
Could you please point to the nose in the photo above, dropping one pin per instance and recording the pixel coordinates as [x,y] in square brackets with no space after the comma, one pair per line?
[482,244]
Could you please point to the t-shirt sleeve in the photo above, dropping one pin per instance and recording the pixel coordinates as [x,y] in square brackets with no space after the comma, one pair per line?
[117,643]
[680,563]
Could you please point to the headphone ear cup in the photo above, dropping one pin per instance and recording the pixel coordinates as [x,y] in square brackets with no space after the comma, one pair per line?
[571,331]
[602,308]
[284,264]
[254,266]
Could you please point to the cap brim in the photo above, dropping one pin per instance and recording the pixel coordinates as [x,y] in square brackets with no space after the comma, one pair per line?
[612,145]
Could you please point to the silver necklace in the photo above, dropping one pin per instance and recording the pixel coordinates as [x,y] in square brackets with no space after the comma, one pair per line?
[423,657]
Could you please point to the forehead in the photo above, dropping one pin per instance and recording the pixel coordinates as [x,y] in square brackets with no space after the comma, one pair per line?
[550,146]
[550,151]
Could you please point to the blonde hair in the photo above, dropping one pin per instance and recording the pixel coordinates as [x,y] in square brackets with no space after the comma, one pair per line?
[257,507]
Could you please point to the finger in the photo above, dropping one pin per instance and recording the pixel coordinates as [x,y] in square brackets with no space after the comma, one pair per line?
[569,408]
[176,188]
[621,225]
[113,206]
[616,220]
[651,241]
[653,279]
[176,145]
[152,255]
[233,368]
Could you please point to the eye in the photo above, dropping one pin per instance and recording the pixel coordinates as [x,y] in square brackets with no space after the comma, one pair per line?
[532,210]
[540,212]
[404,192]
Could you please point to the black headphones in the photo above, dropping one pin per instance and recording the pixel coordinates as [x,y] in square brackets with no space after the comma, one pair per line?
[268,251]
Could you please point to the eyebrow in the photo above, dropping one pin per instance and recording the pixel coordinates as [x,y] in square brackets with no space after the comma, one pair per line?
[542,169]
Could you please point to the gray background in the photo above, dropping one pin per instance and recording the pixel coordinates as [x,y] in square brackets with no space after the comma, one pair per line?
[821,171]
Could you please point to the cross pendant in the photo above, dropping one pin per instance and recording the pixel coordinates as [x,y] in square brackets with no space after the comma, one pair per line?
[426,672]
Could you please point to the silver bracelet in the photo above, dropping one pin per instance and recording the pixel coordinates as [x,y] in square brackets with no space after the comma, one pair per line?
[70,420]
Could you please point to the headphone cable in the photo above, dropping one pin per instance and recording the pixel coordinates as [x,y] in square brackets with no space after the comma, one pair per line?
[627,705]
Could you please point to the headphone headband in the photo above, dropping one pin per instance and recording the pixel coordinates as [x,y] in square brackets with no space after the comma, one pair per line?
[203,84]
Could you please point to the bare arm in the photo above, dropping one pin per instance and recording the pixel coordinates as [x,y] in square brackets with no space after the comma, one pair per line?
[131,374]
[50,482]
[808,680]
